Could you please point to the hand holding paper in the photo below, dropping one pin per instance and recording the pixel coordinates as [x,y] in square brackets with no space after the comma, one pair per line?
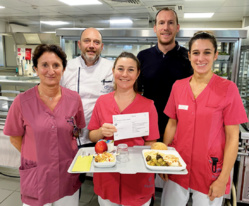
[108,130]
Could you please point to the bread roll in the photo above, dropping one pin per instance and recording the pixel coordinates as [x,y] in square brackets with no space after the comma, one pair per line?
[159,146]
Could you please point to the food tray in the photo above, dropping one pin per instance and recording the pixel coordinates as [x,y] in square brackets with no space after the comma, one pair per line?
[133,166]
[169,168]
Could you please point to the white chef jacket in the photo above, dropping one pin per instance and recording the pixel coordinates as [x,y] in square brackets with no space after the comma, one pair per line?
[90,82]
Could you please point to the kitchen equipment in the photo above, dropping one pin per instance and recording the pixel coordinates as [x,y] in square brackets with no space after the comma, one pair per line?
[243,80]
[242,182]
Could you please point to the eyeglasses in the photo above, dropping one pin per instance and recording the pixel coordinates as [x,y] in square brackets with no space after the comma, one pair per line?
[76,130]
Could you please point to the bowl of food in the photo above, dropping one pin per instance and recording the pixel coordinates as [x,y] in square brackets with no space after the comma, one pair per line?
[105,159]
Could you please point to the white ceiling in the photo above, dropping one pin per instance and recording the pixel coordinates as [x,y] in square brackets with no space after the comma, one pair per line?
[31,12]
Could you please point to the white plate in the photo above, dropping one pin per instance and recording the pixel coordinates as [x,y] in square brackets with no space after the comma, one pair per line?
[172,152]
[105,164]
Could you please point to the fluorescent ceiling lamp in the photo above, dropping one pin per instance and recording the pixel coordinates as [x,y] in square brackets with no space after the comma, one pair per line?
[198,15]
[54,23]
[80,2]
[2,7]
[121,21]
[49,32]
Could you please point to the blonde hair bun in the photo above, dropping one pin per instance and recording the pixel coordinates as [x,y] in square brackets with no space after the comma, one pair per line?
[159,146]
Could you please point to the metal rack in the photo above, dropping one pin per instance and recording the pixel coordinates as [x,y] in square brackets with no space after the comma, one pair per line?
[243,79]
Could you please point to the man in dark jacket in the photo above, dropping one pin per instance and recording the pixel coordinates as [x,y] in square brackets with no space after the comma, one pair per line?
[163,64]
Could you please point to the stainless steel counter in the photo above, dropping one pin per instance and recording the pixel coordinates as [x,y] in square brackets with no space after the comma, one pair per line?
[19,80]
[10,86]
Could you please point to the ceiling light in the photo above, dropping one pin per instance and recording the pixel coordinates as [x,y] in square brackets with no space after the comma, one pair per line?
[80,2]
[49,32]
[2,7]
[198,15]
[121,21]
[54,23]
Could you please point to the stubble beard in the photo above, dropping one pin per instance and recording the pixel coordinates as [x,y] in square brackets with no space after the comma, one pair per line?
[90,59]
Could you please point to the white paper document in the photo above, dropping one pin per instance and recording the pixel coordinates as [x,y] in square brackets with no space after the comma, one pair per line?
[131,125]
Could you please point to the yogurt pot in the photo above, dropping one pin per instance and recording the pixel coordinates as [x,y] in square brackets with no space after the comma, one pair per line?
[110,145]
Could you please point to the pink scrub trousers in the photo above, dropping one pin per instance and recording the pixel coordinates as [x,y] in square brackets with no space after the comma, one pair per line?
[72,200]
[174,194]
[103,202]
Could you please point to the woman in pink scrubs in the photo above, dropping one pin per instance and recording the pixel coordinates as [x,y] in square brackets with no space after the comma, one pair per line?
[115,188]
[43,124]
[205,111]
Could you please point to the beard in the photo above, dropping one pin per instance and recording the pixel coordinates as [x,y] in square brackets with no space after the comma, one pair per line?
[91,59]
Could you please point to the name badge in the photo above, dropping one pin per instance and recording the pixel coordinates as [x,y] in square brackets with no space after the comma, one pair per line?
[184,107]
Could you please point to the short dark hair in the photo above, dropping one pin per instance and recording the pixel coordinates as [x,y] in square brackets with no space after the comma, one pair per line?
[203,35]
[167,9]
[42,48]
[131,56]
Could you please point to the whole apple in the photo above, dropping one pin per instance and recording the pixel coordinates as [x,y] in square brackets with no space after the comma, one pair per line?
[100,147]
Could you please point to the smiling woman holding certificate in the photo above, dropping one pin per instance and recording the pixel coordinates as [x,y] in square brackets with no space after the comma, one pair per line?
[116,188]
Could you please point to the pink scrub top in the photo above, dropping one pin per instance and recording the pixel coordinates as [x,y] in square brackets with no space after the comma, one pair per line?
[125,189]
[48,146]
[200,136]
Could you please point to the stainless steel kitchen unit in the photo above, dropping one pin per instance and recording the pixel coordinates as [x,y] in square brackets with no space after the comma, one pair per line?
[243,79]
[135,40]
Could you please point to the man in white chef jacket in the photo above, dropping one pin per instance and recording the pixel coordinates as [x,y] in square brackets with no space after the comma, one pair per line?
[90,75]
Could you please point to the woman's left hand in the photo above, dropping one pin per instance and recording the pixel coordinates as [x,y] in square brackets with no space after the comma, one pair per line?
[216,189]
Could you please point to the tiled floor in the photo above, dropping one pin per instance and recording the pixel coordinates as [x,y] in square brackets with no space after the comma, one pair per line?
[10,191]
[9,188]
